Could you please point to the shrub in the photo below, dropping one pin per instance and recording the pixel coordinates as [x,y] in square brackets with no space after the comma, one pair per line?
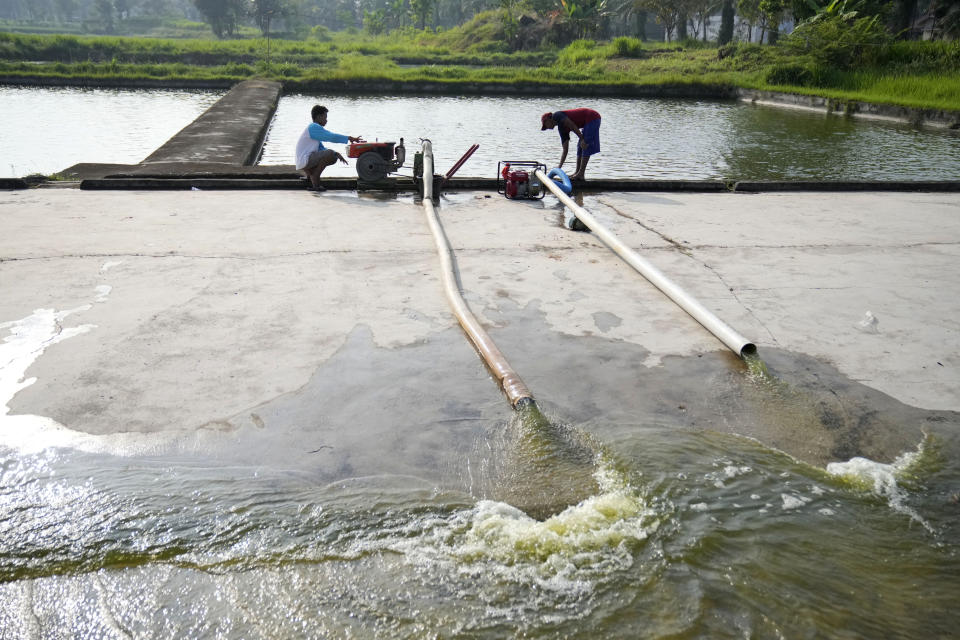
[844,41]
[578,52]
[750,53]
[922,56]
[627,47]
[287,70]
[694,43]
[442,72]
[789,73]
[237,69]
[320,33]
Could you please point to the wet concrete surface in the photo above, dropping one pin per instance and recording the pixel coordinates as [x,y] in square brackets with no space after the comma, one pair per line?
[310,330]
[422,409]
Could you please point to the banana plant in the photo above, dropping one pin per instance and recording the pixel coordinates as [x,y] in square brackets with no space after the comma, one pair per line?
[843,9]
[587,17]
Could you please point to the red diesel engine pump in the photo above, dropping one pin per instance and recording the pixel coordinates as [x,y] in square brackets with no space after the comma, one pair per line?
[516,179]
[376,159]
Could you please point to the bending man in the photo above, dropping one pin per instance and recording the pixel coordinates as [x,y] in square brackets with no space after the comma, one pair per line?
[312,157]
[585,123]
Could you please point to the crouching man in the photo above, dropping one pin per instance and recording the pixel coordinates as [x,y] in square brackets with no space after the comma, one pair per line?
[311,156]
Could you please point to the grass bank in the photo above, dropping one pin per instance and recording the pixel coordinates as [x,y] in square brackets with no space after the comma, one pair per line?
[920,75]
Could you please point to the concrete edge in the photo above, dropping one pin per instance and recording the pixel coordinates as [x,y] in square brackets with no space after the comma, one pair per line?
[226,184]
[187,182]
[692,90]
[892,185]
[115,83]
[13,183]
[940,118]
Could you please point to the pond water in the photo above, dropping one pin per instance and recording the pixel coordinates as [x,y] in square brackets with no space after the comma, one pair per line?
[46,130]
[641,139]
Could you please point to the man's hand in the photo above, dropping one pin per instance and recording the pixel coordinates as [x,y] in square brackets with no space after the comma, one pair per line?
[583,144]
[355,138]
[341,159]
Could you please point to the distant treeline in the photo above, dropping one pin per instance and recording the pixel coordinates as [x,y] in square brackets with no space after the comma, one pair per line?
[529,24]
[844,55]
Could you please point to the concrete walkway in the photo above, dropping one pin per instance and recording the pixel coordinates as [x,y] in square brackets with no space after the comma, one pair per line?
[230,132]
[176,315]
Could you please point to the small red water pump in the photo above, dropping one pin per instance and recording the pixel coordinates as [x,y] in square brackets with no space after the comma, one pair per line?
[516,181]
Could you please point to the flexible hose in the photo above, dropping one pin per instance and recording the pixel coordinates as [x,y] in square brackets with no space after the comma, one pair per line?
[516,391]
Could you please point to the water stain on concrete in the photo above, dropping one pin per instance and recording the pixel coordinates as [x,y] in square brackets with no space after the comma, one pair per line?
[606,320]
[422,409]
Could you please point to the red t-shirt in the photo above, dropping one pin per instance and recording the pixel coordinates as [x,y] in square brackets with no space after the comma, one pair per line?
[580,117]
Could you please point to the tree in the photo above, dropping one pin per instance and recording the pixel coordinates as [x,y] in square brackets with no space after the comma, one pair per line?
[631,10]
[947,15]
[123,9]
[421,9]
[588,17]
[749,10]
[700,12]
[104,12]
[670,14]
[221,15]
[772,13]
[400,12]
[66,9]
[374,22]
[727,14]
[265,11]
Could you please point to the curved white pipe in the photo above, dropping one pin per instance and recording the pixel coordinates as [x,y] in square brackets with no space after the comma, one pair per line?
[736,342]
[516,391]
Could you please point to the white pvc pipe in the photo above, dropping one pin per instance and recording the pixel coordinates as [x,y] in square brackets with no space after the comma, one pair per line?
[515,389]
[736,342]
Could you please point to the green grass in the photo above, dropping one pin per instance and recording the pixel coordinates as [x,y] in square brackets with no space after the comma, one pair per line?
[911,74]
[922,91]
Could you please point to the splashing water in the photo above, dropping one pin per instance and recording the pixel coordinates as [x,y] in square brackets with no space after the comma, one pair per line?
[542,467]
[567,552]
[617,514]
[887,480]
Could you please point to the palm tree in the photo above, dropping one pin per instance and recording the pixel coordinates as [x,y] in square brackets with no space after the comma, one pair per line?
[631,10]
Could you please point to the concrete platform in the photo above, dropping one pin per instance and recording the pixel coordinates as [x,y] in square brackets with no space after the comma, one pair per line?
[187,319]
[231,131]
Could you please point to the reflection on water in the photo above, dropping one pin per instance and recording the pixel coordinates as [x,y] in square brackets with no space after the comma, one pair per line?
[46,130]
[640,138]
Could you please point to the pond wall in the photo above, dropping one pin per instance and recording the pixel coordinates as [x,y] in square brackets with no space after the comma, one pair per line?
[892,112]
